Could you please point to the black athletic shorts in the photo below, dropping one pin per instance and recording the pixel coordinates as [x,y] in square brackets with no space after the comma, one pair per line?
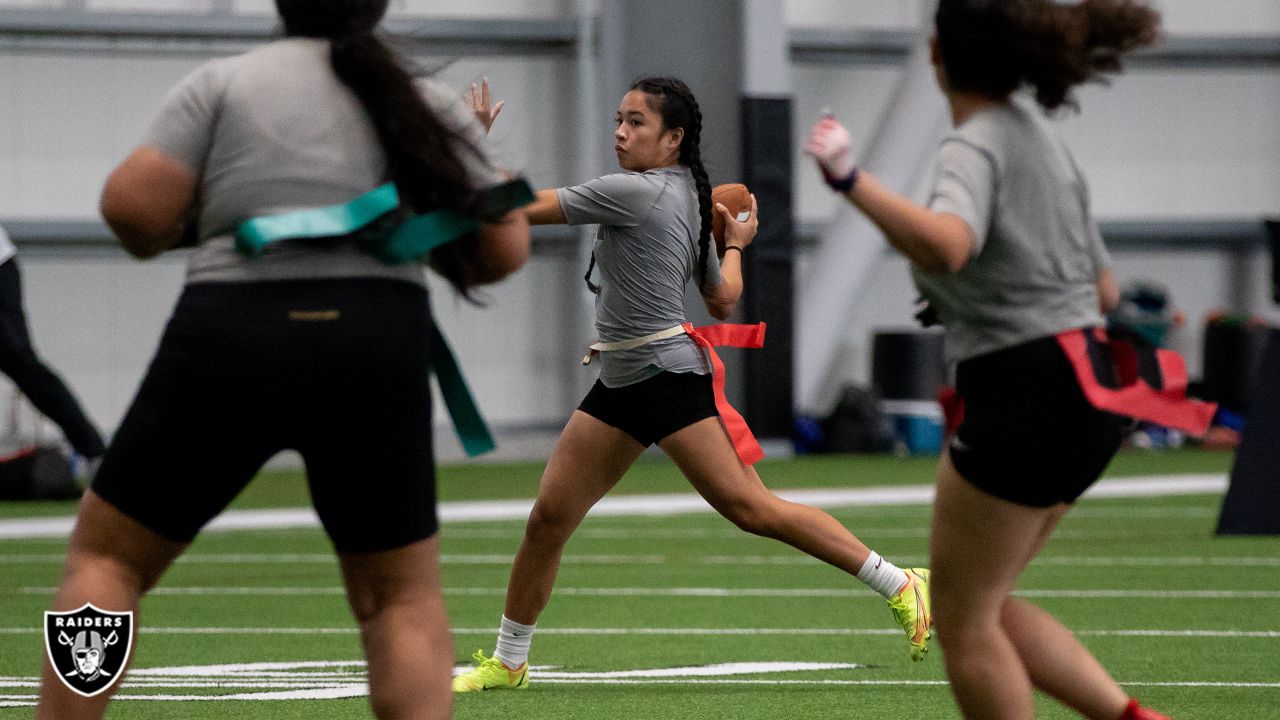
[335,369]
[652,409]
[1029,435]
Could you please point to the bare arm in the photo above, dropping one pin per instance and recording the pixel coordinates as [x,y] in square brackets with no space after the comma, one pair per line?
[722,300]
[935,242]
[147,200]
[545,209]
[1108,291]
[500,249]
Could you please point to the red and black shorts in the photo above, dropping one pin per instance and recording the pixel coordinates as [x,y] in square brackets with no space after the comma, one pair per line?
[1029,435]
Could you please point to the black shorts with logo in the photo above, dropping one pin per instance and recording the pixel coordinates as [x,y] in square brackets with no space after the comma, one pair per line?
[652,409]
[335,369]
[1029,435]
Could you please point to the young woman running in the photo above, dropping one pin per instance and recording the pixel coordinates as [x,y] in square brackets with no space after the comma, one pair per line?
[655,234]
[315,346]
[1009,256]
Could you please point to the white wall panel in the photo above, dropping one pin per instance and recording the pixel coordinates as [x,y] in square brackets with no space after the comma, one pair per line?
[69,120]
[169,6]
[425,8]
[74,119]
[440,8]
[1221,17]
[1176,144]
[1181,144]
[858,14]
[1194,17]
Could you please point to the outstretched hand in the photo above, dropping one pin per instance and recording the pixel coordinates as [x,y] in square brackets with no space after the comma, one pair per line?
[479,101]
[832,147]
[737,233]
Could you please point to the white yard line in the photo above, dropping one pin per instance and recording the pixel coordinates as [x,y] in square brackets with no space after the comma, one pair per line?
[320,680]
[673,632]
[329,559]
[705,592]
[643,505]
[1061,561]
[792,559]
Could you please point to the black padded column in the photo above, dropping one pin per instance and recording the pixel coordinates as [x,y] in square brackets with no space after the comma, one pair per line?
[768,265]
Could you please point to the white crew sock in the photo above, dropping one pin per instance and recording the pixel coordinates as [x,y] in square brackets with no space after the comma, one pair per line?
[882,576]
[514,640]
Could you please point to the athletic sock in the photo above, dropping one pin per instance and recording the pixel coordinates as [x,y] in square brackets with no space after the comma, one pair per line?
[882,576]
[514,640]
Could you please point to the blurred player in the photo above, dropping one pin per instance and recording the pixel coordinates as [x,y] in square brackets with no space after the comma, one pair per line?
[1009,256]
[315,346]
[18,359]
[655,383]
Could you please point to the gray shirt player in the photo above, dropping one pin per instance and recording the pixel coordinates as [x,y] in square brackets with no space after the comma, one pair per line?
[646,252]
[274,130]
[1037,252]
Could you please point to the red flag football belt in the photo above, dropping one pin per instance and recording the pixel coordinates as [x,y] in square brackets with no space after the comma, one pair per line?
[709,337]
[1140,382]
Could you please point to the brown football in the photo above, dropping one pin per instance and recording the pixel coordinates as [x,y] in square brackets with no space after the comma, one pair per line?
[737,198]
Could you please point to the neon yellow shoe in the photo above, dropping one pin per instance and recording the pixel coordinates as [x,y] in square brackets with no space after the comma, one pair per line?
[491,674]
[911,609]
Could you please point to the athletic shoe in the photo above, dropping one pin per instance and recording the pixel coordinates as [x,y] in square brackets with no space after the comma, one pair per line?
[1134,711]
[911,609]
[491,674]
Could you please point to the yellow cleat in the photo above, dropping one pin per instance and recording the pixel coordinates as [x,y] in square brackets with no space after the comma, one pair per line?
[911,609]
[491,674]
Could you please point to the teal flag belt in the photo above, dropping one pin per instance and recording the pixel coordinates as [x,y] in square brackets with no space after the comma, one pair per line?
[409,239]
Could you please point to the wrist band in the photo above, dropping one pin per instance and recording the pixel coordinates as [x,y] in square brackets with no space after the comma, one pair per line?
[843,185]
[727,248]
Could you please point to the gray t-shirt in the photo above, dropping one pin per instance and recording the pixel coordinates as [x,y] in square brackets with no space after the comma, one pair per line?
[646,253]
[1037,251]
[275,130]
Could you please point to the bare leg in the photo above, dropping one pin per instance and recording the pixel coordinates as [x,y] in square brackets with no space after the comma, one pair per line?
[996,648]
[1059,665]
[707,459]
[589,459]
[111,561]
[397,599]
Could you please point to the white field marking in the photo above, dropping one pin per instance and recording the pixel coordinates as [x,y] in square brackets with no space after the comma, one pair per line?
[1131,511]
[898,683]
[709,592]
[678,632]
[268,559]
[717,670]
[794,559]
[318,680]
[1062,561]
[644,505]
[269,676]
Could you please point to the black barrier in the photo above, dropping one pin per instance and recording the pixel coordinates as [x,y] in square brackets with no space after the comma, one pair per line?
[908,365]
[768,267]
[1252,504]
[1273,230]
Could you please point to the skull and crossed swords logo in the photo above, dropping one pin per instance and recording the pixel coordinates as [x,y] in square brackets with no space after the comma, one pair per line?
[88,647]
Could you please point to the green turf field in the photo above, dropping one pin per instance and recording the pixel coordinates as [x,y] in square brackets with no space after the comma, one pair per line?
[1188,620]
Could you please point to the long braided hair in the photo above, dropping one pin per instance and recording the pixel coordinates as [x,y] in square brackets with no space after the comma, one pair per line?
[679,109]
